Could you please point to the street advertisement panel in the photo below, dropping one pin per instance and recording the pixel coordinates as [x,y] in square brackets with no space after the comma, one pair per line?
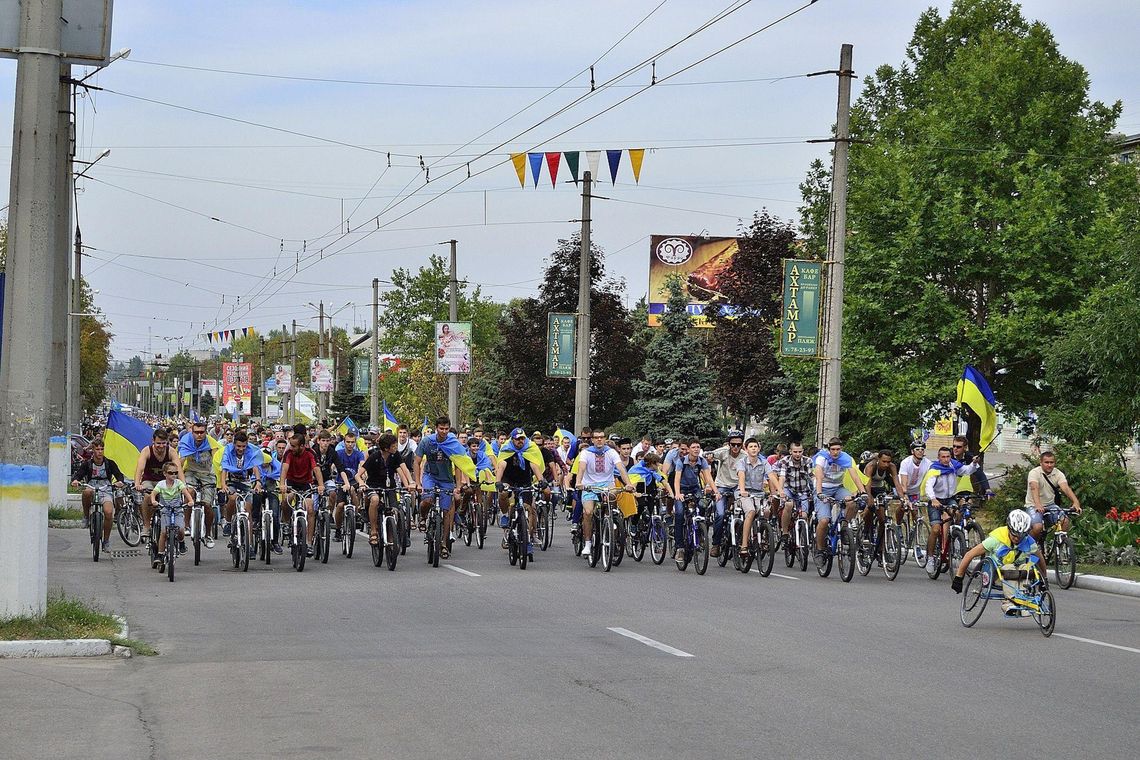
[321,375]
[237,386]
[208,386]
[283,374]
[360,384]
[453,348]
[799,323]
[698,261]
[560,344]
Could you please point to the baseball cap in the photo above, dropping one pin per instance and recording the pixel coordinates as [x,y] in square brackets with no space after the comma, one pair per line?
[517,433]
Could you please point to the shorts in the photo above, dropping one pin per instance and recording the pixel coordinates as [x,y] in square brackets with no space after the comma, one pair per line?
[840,494]
[205,488]
[802,501]
[1053,515]
[934,514]
[445,488]
[591,496]
[179,519]
[751,502]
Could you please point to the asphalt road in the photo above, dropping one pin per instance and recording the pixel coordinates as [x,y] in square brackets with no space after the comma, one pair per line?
[347,660]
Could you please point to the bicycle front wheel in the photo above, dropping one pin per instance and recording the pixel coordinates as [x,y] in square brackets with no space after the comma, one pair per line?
[701,552]
[391,541]
[606,542]
[171,552]
[1065,561]
[846,551]
[658,542]
[1046,614]
[892,552]
[979,583]
[96,530]
[764,546]
[129,525]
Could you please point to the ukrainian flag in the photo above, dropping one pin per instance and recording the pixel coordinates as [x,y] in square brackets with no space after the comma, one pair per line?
[426,427]
[974,393]
[458,455]
[124,438]
[390,423]
[530,451]
[347,426]
[489,452]
[562,433]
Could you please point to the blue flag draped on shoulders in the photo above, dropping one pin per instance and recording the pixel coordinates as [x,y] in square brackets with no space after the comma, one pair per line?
[974,393]
[124,438]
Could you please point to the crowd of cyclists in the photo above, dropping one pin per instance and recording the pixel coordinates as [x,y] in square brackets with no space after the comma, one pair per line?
[520,481]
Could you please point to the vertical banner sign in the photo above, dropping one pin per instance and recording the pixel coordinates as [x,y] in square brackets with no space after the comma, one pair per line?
[283,374]
[208,386]
[453,348]
[799,324]
[360,382]
[321,375]
[698,261]
[561,330]
[237,386]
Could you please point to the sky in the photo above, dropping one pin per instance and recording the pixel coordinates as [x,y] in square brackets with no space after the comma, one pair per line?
[198,223]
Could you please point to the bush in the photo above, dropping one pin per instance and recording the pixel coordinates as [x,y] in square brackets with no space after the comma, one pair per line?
[1096,475]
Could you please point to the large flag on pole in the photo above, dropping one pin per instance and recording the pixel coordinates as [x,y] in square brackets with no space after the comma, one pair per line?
[124,438]
[974,394]
[390,423]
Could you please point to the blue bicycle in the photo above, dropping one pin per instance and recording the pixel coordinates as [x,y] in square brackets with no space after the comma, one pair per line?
[840,543]
[695,541]
[1023,590]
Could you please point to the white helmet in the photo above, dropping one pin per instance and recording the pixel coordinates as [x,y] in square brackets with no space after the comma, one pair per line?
[1018,522]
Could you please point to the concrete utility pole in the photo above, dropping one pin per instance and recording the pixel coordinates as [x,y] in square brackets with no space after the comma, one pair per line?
[831,368]
[453,315]
[26,415]
[582,371]
[374,364]
[293,373]
[284,356]
[261,363]
[64,327]
[322,402]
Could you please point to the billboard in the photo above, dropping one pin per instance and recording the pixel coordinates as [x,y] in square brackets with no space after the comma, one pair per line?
[453,348]
[697,260]
[283,374]
[237,386]
[560,344]
[321,375]
[799,323]
[360,373]
[208,386]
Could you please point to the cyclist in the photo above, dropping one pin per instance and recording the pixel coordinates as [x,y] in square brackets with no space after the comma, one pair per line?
[726,458]
[299,472]
[381,469]
[794,474]
[1014,549]
[831,466]
[960,453]
[912,470]
[197,455]
[648,480]
[883,480]
[94,473]
[514,471]
[148,470]
[241,462]
[1041,491]
[349,457]
[596,466]
[691,473]
[484,486]
[406,447]
[171,487]
[752,473]
[434,470]
[941,485]
[325,454]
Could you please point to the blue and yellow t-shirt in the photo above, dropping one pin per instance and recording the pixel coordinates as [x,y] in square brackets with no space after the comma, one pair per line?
[1001,548]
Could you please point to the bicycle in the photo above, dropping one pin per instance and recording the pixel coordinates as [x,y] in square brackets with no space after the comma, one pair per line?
[659,530]
[868,548]
[911,513]
[544,517]
[240,532]
[322,535]
[298,526]
[728,543]
[1061,553]
[348,524]
[839,543]
[518,533]
[980,586]
[95,522]
[167,513]
[390,539]
[605,528]
[128,516]
[638,530]
[763,538]
[268,526]
[797,544]
[961,529]
[695,540]
[197,526]
[434,529]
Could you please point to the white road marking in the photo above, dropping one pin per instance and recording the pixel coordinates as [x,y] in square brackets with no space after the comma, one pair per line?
[778,575]
[650,642]
[1098,643]
[468,573]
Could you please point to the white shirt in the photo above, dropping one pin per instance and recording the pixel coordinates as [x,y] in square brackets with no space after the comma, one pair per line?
[914,473]
[597,470]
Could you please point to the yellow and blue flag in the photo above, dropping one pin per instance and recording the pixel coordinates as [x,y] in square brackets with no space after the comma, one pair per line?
[562,433]
[347,426]
[123,440]
[458,455]
[390,423]
[530,451]
[426,427]
[974,393]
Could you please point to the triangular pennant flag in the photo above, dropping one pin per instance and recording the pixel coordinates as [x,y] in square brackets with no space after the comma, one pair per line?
[535,166]
[594,157]
[614,158]
[552,160]
[519,160]
[210,337]
[636,156]
[572,163]
[245,332]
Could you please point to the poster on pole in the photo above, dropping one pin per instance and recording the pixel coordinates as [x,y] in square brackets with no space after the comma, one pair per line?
[560,344]
[360,384]
[698,261]
[453,348]
[208,386]
[237,386]
[283,374]
[321,375]
[799,322]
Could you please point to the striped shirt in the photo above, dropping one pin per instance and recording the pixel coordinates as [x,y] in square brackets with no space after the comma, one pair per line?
[797,477]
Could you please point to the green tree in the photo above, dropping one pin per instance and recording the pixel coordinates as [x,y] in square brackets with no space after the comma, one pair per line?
[209,404]
[94,352]
[976,182]
[674,395]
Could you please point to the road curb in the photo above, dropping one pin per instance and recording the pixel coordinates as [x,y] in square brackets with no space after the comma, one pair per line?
[66,647]
[65,523]
[1108,585]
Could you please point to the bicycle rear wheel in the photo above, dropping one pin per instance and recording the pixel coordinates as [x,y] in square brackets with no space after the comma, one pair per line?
[979,583]
[618,533]
[548,534]
[957,551]
[863,551]
[974,535]
[1065,561]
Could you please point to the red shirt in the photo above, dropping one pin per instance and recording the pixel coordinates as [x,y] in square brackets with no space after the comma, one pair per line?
[301,466]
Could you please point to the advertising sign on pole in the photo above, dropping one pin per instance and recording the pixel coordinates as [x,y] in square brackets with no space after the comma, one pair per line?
[321,375]
[360,384]
[698,261]
[560,344]
[283,374]
[209,386]
[453,348]
[799,323]
[237,386]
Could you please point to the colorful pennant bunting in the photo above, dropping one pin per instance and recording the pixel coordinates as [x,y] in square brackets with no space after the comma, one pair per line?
[614,158]
[552,160]
[535,165]
[519,160]
[636,156]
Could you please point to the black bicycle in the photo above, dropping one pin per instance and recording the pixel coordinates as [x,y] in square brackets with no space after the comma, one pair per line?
[518,531]
[322,535]
[167,517]
[434,529]
[388,519]
[128,517]
[95,522]
[1061,553]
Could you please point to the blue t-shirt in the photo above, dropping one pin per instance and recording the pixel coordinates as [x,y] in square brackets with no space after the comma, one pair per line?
[833,469]
[349,461]
[438,464]
[691,472]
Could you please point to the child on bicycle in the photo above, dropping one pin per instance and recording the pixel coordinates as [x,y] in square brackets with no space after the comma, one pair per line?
[1014,550]
[166,491]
